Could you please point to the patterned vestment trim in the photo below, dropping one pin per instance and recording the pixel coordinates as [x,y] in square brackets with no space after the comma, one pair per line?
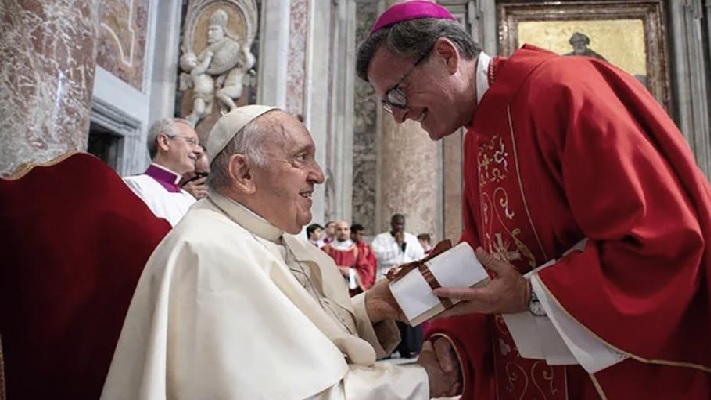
[669,363]
[520,185]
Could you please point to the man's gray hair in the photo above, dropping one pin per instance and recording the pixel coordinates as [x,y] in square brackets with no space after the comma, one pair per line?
[248,141]
[166,126]
[414,38]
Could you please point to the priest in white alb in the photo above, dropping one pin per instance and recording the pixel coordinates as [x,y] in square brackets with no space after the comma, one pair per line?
[234,305]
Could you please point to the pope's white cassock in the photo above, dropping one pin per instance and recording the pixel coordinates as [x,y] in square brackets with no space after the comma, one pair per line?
[230,307]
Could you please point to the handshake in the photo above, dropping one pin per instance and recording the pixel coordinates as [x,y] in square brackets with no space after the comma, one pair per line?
[437,357]
[450,281]
[440,361]
[409,295]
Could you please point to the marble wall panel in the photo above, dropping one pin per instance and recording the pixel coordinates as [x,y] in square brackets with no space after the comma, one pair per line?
[298,30]
[409,177]
[48,53]
[122,40]
[365,135]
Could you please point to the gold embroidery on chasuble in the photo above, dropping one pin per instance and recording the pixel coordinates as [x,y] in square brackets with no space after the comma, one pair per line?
[499,215]
[507,232]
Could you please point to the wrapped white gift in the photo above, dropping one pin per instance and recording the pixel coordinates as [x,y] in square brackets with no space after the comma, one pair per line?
[412,284]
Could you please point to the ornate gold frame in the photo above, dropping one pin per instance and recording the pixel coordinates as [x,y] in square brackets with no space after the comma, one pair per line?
[651,12]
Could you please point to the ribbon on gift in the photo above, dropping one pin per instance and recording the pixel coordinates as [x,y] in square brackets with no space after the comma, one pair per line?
[399,272]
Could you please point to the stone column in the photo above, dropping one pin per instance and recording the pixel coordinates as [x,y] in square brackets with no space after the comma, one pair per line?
[48,53]
[691,81]
[409,177]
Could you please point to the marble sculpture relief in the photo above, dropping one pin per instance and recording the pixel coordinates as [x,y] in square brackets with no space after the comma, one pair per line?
[217,59]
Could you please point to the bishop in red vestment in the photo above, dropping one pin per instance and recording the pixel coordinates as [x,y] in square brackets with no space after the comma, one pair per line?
[561,153]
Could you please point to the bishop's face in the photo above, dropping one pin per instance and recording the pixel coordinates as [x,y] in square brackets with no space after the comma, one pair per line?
[431,88]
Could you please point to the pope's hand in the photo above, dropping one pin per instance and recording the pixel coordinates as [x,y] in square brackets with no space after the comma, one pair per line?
[507,292]
[442,368]
[380,303]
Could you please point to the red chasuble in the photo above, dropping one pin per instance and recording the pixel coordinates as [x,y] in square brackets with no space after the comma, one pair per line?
[360,257]
[566,148]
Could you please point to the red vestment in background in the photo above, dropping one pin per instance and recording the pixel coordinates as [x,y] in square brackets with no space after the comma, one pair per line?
[360,257]
[566,148]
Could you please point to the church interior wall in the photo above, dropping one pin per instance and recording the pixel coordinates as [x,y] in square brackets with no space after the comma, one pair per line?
[339,130]
[306,57]
[274,46]
[122,40]
[122,88]
[366,135]
[685,31]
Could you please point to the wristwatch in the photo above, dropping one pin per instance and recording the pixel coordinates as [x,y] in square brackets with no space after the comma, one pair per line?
[535,307]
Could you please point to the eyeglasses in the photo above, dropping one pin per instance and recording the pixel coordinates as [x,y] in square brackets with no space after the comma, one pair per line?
[193,142]
[395,97]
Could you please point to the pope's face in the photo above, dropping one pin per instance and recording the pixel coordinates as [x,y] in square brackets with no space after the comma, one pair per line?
[285,185]
[429,89]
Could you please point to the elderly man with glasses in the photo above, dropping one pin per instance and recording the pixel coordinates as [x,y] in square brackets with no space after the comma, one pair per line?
[174,147]
[585,203]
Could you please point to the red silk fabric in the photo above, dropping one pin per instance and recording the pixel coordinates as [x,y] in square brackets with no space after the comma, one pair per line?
[562,149]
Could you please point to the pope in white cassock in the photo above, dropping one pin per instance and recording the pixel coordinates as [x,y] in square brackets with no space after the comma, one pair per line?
[233,305]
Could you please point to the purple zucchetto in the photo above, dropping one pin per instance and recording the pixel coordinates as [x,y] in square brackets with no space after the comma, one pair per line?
[414,9]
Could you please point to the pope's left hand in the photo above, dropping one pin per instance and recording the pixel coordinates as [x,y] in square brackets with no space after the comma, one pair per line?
[381,304]
[507,292]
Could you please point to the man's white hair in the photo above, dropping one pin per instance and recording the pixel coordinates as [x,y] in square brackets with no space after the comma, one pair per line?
[166,126]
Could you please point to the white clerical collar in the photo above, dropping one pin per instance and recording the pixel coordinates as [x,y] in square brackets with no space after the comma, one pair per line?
[482,76]
[247,218]
[344,245]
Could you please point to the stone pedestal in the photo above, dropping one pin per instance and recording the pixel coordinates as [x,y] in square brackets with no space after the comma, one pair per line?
[409,182]
[48,50]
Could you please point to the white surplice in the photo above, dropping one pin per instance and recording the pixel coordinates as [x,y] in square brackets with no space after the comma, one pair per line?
[230,307]
[164,204]
[390,254]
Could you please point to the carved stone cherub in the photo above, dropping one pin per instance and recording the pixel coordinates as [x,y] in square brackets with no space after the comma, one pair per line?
[218,69]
